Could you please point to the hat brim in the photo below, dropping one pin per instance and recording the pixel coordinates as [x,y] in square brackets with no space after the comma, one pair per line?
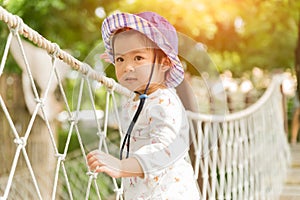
[121,20]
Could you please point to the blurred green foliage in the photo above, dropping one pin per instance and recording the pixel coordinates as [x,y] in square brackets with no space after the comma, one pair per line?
[239,35]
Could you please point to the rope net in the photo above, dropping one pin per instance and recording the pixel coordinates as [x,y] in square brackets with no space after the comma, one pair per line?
[237,156]
[250,155]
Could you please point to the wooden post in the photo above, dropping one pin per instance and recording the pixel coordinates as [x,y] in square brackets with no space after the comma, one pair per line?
[39,148]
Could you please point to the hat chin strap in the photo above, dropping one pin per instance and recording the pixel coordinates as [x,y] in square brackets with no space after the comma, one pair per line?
[137,113]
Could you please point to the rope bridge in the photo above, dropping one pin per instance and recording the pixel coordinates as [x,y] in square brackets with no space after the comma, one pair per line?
[243,155]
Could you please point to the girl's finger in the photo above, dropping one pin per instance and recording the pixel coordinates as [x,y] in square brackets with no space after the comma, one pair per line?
[91,154]
[99,169]
[95,165]
[92,159]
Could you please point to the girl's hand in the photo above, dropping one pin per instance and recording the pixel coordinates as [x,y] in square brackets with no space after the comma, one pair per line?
[99,161]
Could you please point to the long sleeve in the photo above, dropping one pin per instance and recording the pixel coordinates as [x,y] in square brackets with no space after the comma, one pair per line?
[168,135]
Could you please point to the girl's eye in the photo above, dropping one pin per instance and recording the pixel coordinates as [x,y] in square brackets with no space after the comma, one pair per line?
[138,58]
[119,59]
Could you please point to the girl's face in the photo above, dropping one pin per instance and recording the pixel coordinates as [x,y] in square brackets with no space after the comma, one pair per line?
[134,57]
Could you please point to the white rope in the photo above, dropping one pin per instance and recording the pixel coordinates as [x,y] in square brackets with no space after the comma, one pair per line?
[3,61]
[14,21]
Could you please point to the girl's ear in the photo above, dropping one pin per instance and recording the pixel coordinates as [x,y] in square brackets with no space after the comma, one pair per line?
[166,64]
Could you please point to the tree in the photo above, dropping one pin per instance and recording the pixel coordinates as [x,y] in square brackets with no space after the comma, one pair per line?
[297,60]
[239,35]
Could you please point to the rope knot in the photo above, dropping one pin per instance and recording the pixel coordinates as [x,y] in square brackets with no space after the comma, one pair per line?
[60,156]
[73,119]
[20,141]
[55,51]
[94,175]
[85,69]
[111,86]
[18,27]
[198,153]
[40,101]
[119,191]
[101,134]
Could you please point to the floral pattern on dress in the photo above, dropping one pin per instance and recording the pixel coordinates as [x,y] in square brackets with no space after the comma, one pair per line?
[160,143]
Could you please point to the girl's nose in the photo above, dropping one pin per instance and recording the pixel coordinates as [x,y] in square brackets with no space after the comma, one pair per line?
[129,67]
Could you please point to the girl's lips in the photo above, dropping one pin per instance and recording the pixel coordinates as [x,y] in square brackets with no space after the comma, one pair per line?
[130,79]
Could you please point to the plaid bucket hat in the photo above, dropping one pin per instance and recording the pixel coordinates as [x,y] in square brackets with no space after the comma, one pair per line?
[153,26]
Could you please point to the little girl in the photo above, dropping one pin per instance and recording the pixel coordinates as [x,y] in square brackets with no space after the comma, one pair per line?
[144,48]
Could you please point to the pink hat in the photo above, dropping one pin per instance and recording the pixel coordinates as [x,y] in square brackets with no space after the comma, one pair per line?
[156,28]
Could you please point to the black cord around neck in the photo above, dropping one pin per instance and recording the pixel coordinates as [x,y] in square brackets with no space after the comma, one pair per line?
[137,113]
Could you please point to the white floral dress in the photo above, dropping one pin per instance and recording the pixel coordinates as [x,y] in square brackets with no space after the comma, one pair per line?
[159,141]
